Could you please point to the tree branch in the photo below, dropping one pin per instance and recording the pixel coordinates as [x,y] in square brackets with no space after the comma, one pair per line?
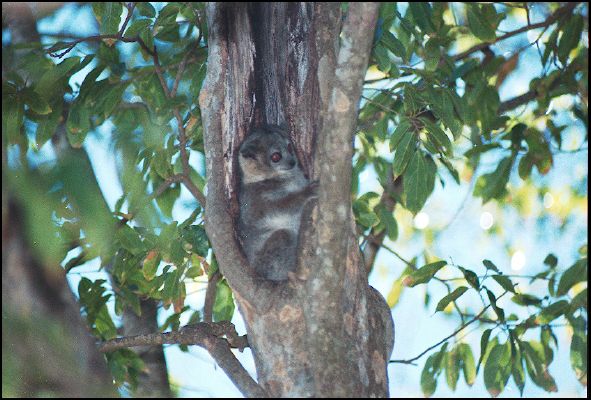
[335,149]
[461,328]
[206,335]
[180,126]
[374,240]
[553,18]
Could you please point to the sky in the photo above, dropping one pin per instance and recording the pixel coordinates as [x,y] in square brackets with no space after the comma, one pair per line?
[459,220]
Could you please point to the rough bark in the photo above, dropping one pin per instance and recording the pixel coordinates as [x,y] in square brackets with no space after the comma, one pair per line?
[153,381]
[325,332]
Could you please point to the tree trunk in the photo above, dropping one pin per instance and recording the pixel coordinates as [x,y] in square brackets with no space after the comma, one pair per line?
[324,332]
[153,381]
[46,347]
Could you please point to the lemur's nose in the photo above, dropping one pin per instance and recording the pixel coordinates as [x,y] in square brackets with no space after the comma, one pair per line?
[292,163]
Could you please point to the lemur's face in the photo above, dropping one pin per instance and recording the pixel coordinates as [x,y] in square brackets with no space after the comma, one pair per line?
[266,153]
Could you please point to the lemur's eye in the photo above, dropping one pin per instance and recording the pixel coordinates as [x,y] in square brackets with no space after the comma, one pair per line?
[289,148]
[276,157]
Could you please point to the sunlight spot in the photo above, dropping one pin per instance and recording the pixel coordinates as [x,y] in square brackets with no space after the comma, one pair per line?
[518,261]
[550,107]
[486,220]
[581,170]
[421,220]
[548,200]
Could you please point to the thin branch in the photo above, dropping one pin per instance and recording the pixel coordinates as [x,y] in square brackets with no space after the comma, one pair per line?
[157,192]
[180,126]
[98,38]
[375,240]
[461,328]
[518,101]
[206,335]
[553,18]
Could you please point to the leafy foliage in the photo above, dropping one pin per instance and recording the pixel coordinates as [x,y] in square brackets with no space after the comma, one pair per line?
[433,108]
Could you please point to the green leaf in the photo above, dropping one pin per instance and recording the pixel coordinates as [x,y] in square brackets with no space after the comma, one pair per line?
[442,104]
[150,90]
[467,363]
[387,218]
[167,199]
[35,102]
[421,13]
[108,14]
[404,151]
[450,297]
[479,149]
[492,186]
[537,366]
[196,237]
[423,274]
[428,378]
[110,99]
[517,370]
[580,300]
[552,312]
[396,289]
[52,80]
[471,278]
[393,44]
[481,26]
[150,265]
[383,59]
[490,265]
[504,282]
[497,369]
[493,302]
[438,137]
[483,346]
[549,46]
[571,35]
[578,349]
[194,271]
[138,26]
[412,101]
[145,9]
[419,181]
[368,219]
[403,129]
[575,274]
[191,219]
[13,111]
[551,260]
[452,368]
[78,124]
[431,372]
[525,299]
[223,308]
[130,240]
[47,125]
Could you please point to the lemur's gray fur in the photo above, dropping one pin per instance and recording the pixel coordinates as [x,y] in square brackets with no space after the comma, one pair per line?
[272,195]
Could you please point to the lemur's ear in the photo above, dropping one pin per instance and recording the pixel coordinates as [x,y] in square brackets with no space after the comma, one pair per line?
[249,148]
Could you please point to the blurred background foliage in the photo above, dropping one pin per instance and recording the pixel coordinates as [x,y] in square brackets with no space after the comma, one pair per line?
[469,111]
